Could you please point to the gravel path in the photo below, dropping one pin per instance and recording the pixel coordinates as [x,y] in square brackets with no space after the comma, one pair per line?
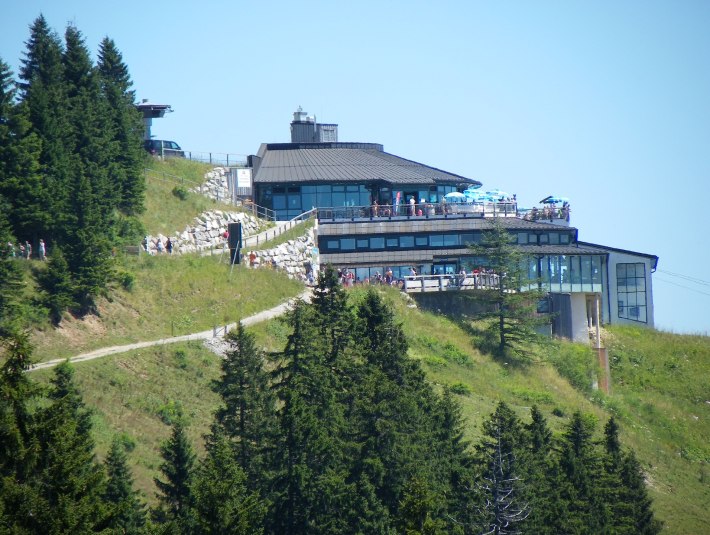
[204,335]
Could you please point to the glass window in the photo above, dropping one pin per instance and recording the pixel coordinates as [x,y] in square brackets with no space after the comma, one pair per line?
[279,202]
[392,242]
[554,238]
[597,272]
[532,238]
[564,239]
[436,240]
[522,238]
[421,241]
[347,244]
[451,240]
[338,198]
[586,273]
[544,238]
[406,241]
[363,243]
[631,291]
[377,243]
[333,245]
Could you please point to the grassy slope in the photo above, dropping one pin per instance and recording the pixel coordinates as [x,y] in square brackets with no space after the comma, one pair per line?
[164,212]
[656,410]
[660,389]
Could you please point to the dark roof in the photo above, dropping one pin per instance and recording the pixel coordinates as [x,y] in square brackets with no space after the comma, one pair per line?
[570,249]
[345,162]
[606,248]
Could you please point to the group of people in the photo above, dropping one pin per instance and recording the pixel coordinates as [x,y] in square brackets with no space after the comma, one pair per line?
[549,212]
[24,250]
[160,247]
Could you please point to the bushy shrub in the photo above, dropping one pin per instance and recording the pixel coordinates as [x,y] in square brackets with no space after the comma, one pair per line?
[180,192]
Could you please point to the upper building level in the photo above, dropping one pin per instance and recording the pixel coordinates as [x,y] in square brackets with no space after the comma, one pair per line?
[305,129]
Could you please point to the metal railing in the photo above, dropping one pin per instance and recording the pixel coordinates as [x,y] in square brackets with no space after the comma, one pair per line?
[217,158]
[442,283]
[424,210]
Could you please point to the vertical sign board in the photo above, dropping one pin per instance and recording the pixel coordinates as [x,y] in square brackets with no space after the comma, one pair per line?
[235,242]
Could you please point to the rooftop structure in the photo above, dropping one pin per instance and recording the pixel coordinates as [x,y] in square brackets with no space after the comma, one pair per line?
[150,111]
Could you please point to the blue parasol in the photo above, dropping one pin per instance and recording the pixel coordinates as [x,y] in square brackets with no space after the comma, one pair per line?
[554,199]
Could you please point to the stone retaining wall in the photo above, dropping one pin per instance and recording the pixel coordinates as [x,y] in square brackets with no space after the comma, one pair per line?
[206,232]
[294,257]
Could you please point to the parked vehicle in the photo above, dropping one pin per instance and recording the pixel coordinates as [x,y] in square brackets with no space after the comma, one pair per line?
[161,147]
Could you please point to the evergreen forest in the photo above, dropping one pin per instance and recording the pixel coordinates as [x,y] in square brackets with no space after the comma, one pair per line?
[340,432]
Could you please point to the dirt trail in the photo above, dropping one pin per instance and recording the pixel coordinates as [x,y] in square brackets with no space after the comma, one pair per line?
[203,335]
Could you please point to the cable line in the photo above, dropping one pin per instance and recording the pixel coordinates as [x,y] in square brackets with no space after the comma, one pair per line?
[685,277]
[681,286]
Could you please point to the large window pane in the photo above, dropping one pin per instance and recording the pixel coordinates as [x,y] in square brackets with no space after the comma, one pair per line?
[406,241]
[631,291]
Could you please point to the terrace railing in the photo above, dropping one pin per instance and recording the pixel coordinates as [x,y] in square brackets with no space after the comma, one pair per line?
[424,210]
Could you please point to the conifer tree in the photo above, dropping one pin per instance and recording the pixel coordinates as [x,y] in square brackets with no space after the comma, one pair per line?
[513,303]
[625,489]
[580,478]
[541,471]
[11,280]
[176,495]
[18,446]
[20,182]
[223,503]
[69,480]
[92,200]
[125,128]
[43,92]
[502,503]
[57,286]
[247,414]
[126,511]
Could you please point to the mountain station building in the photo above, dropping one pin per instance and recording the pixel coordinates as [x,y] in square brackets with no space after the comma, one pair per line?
[377,211]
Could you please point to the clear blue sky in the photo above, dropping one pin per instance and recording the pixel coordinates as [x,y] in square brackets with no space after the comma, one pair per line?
[607,103]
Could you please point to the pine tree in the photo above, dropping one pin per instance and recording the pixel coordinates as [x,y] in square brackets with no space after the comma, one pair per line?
[247,414]
[513,303]
[20,181]
[312,491]
[222,502]
[625,488]
[11,280]
[580,475]
[125,127]
[43,93]
[91,198]
[500,454]
[69,480]
[126,511]
[540,469]
[176,495]
[18,446]
[57,286]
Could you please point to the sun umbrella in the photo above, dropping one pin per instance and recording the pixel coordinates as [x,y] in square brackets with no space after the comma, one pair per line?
[497,195]
[554,199]
[455,196]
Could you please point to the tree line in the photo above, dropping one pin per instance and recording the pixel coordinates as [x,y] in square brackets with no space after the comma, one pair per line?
[70,162]
[338,433]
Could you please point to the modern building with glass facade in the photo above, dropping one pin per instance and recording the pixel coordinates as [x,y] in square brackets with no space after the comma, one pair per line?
[377,211]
